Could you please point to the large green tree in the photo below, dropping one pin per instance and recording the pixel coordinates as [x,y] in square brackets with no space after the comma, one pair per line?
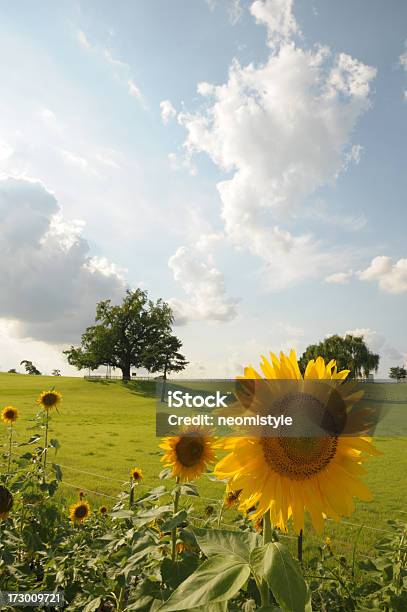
[127,335]
[350,353]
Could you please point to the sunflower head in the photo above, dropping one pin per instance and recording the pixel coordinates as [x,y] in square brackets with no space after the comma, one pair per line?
[103,510]
[188,454]
[9,415]
[50,399]
[286,476]
[79,512]
[6,502]
[136,474]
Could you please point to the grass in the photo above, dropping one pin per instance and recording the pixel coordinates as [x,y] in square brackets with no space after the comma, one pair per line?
[107,427]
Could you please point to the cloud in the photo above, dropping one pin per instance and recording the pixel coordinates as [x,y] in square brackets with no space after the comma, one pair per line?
[168,112]
[135,92]
[374,341]
[122,70]
[281,130]
[83,40]
[50,284]
[234,9]
[339,278]
[277,15]
[392,277]
[204,285]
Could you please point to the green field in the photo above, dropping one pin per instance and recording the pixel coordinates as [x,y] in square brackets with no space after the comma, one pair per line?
[107,427]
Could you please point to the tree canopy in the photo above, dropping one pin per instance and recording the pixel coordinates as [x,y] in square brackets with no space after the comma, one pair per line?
[137,333]
[398,373]
[30,367]
[350,353]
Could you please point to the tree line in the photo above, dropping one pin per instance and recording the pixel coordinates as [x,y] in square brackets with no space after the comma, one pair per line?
[138,334]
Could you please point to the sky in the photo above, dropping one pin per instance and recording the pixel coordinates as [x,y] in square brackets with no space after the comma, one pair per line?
[243,160]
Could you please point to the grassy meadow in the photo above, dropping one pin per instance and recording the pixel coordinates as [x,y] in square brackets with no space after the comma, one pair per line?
[107,427]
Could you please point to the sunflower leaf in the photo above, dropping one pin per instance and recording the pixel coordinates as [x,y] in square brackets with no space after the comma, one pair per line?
[223,541]
[283,574]
[174,521]
[216,580]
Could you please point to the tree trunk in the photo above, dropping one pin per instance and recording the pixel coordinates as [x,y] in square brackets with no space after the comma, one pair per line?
[126,372]
[164,384]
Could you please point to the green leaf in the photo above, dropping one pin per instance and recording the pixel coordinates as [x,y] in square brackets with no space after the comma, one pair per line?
[175,572]
[174,521]
[152,495]
[223,541]
[54,443]
[216,580]
[32,440]
[186,489]
[165,473]
[93,605]
[283,575]
[121,514]
[57,471]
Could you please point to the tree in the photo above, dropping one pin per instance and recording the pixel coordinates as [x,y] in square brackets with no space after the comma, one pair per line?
[398,373]
[30,368]
[56,372]
[350,353]
[125,336]
[165,356]
[12,371]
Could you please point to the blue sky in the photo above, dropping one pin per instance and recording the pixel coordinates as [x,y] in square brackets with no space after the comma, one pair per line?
[243,160]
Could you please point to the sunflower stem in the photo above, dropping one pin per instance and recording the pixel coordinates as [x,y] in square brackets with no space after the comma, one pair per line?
[174,529]
[9,449]
[267,530]
[267,537]
[46,442]
[220,514]
[299,546]
[131,496]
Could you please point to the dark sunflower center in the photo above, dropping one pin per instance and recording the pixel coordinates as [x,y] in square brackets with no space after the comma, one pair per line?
[49,399]
[299,458]
[10,414]
[136,475]
[81,512]
[189,450]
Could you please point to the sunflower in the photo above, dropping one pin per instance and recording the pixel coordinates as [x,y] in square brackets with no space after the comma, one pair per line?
[50,399]
[9,415]
[103,510]
[136,474]
[6,502]
[79,512]
[287,475]
[188,454]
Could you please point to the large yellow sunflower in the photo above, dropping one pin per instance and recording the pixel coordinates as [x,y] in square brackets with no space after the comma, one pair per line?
[188,454]
[288,475]
[79,512]
[50,399]
[9,415]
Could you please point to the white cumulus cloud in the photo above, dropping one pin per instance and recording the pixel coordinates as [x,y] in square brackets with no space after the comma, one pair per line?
[392,277]
[281,130]
[204,286]
[339,278]
[49,282]
[168,112]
